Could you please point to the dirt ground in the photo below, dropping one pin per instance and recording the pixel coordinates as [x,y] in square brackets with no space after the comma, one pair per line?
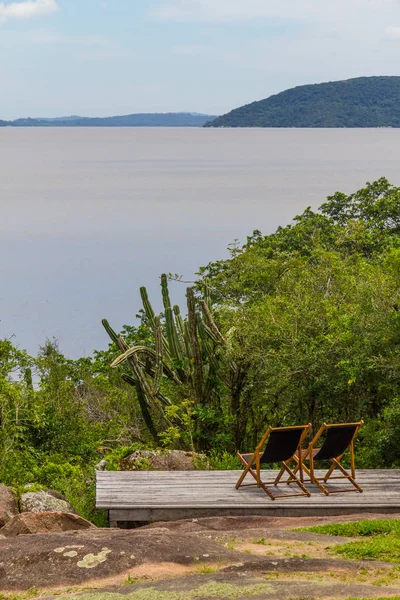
[219,557]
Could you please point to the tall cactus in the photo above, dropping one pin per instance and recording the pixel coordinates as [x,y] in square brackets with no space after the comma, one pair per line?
[185,352]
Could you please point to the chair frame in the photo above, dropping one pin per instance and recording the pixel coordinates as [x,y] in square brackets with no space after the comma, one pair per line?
[309,453]
[256,474]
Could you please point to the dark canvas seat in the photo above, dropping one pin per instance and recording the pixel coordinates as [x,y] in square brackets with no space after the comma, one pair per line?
[282,443]
[339,438]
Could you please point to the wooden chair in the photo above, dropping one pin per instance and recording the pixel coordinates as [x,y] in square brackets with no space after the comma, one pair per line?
[339,438]
[282,443]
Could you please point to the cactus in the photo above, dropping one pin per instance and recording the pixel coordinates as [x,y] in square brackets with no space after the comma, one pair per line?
[190,352]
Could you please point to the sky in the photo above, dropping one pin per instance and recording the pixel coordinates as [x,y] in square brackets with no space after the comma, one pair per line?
[99,58]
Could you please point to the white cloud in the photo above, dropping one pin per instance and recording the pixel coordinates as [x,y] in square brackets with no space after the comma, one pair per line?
[85,47]
[393,31]
[27,9]
[239,10]
[43,36]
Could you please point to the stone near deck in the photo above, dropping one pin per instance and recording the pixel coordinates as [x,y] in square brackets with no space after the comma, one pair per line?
[45,501]
[44,522]
[8,504]
[163,460]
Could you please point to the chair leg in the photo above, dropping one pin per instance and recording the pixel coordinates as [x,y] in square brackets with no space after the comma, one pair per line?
[297,468]
[258,467]
[256,475]
[330,471]
[352,460]
[346,474]
[285,467]
[297,480]
[247,468]
[336,464]
[279,476]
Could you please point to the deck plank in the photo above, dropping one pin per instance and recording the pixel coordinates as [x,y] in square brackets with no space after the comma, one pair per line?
[146,495]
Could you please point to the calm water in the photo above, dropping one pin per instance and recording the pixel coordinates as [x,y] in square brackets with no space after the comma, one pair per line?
[89,215]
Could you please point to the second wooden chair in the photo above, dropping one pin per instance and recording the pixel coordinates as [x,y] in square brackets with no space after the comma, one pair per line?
[281,445]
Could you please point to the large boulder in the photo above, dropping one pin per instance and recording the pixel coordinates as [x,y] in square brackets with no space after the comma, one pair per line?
[45,501]
[163,460]
[8,504]
[44,522]
[93,556]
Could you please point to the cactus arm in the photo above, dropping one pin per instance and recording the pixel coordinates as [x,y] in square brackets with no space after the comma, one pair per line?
[172,336]
[158,369]
[148,309]
[180,329]
[130,353]
[134,351]
[163,399]
[113,335]
[208,348]
[206,293]
[174,343]
[217,364]
[210,334]
[211,323]
[194,341]
[165,292]
[186,339]
[129,379]
[146,413]
[149,312]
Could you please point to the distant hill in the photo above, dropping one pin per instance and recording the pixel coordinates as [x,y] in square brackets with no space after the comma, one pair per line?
[135,120]
[54,119]
[361,102]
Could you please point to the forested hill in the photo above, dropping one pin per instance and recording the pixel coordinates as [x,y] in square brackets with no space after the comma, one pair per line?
[361,102]
[134,120]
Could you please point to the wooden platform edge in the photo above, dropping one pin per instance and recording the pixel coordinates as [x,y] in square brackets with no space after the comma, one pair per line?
[180,513]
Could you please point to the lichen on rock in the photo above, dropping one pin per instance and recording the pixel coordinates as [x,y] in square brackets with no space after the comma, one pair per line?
[93,560]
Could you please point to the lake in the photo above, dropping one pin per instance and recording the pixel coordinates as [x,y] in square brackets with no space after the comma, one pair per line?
[89,215]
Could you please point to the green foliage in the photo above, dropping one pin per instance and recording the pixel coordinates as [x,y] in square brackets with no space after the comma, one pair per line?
[53,433]
[225,461]
[114,457]
[314,309]
[360,102]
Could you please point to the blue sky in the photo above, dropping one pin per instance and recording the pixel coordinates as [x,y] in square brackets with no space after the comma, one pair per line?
[92,57]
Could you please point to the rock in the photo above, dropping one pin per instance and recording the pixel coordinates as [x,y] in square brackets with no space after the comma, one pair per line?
[45,501]
[77,558]
[44,522]
[163,460]
[8,504]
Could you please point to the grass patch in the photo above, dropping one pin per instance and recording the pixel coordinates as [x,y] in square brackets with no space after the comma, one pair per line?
[381,547]
[382,539]
[261,541]
[358,528]
[206,569]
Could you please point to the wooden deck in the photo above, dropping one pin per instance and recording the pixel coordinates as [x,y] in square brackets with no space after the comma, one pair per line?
[156,496]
